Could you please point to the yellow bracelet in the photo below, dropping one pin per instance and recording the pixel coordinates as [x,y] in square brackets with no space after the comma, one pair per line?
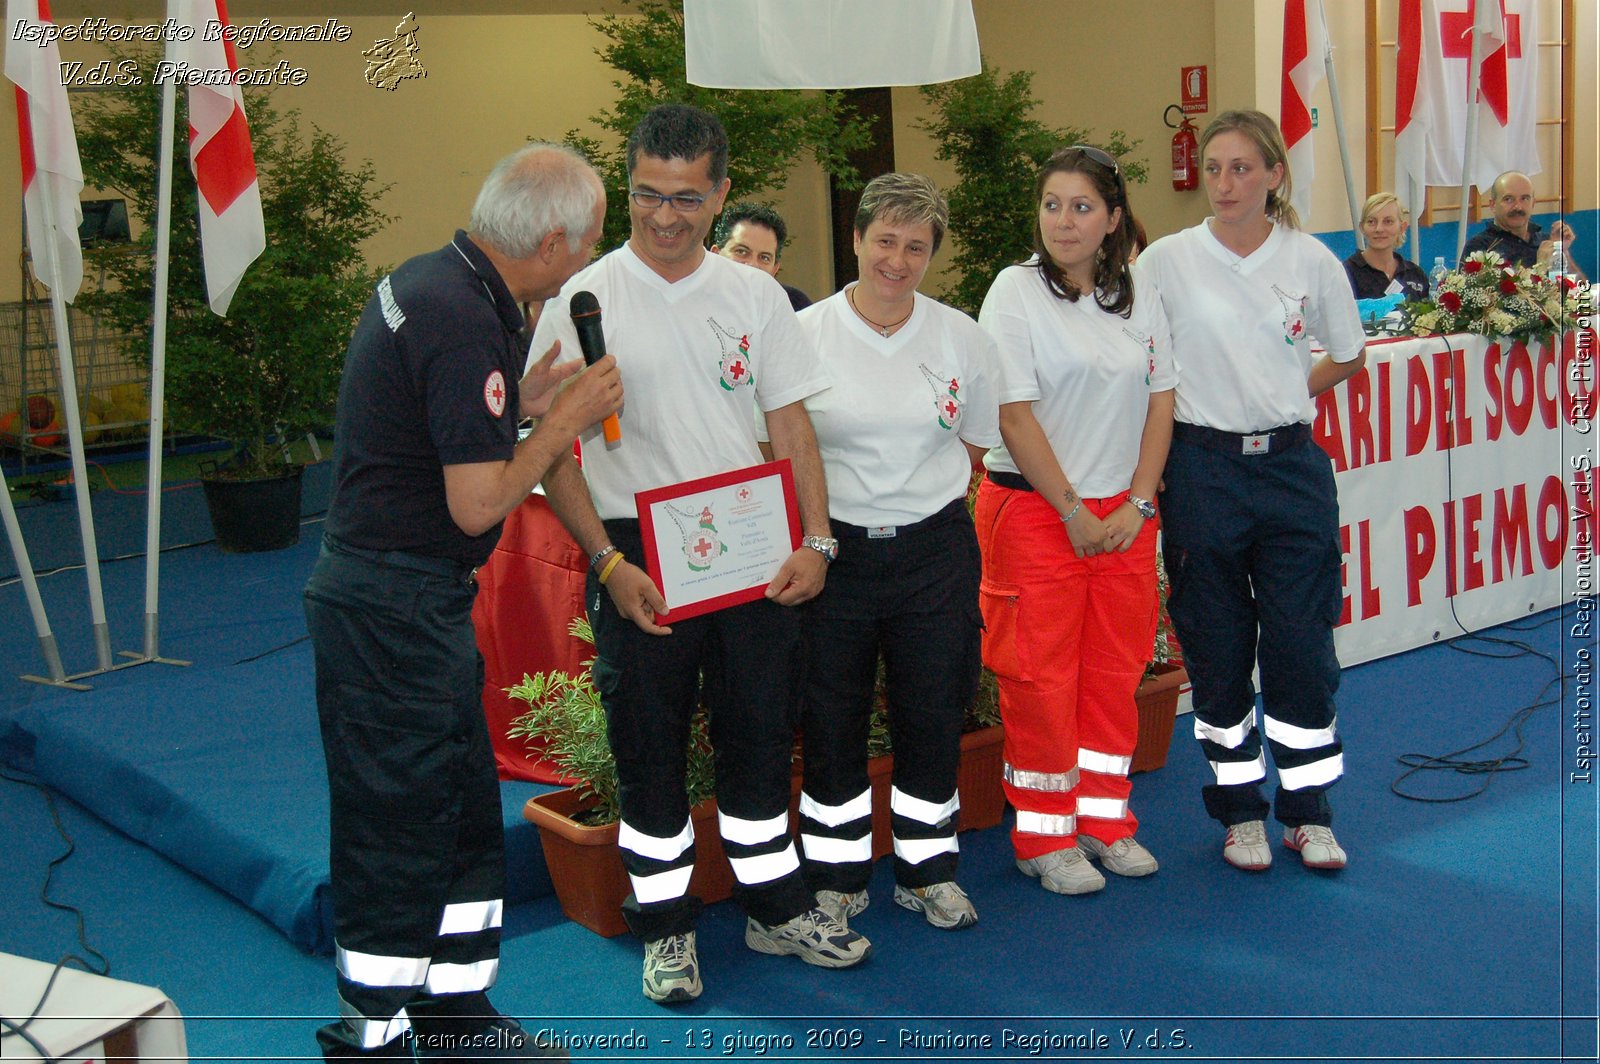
[605,574]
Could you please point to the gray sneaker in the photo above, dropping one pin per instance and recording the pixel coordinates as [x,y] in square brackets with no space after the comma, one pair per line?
[671,969]
[842,906]
[1246,846]
[1064,871]
[1125,857]
[944,904]
[814,936]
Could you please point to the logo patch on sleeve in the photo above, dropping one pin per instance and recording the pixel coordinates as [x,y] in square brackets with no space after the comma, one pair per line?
[494,393]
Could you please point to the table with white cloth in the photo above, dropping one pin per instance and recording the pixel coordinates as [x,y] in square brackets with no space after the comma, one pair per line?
[1464,466]
[87,1017]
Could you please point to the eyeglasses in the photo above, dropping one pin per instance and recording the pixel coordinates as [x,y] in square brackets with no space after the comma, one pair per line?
[682,202]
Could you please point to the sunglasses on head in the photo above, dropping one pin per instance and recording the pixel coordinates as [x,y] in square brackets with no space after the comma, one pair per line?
[1104,159]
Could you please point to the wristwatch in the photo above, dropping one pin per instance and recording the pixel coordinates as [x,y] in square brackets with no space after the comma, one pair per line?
[826,546]
[1146,508]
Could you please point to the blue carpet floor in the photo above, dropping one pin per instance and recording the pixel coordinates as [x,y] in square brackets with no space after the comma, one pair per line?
[1460,931]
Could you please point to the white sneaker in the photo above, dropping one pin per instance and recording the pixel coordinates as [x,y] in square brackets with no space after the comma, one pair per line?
[1064,871]
[1246,846]
[1316,846]
[813,936]
[1125,857]
[671,969]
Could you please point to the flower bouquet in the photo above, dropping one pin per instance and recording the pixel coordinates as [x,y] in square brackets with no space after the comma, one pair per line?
[1488,296]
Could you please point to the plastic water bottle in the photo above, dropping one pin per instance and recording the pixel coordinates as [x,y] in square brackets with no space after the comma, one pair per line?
[1436,276]
[1558,260]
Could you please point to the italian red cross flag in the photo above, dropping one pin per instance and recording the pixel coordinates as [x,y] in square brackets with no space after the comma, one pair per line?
[52,176]
[232,230]
[1305,50]
[1435,46]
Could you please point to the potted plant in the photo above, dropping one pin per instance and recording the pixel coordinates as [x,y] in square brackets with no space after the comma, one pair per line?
[269,371]
[578,825]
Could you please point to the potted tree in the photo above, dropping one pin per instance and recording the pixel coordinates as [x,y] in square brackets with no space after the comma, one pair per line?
[269,371]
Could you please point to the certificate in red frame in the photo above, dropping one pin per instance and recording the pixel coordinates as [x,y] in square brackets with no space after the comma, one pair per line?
[718,541]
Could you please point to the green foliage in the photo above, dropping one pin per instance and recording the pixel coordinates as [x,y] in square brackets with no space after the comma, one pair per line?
[566,717]
[768,130]
[983,126]
[272,366]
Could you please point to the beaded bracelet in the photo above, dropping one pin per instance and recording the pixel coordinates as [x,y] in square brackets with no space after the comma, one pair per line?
[1072,512]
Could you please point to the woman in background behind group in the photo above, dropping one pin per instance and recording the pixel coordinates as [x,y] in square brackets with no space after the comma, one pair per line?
[1251,519]
[1067,526]
[1380,270]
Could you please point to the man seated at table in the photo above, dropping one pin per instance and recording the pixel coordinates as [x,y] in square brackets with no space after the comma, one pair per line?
[755,235]
[1514,235]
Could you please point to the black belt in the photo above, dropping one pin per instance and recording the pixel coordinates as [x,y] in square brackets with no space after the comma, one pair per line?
[1014,481]
[467,574]
[955,509]
[1268,441]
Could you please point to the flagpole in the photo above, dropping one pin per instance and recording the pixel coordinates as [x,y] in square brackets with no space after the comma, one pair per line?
[1470,152]
[69,400]
[30,586]
[1338,126]
[158,370]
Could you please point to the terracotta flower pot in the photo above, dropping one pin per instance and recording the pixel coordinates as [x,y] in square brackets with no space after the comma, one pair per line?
[586,866]
[1157,698]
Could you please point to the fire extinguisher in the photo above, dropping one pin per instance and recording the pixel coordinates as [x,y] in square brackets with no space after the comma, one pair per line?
[1185,151]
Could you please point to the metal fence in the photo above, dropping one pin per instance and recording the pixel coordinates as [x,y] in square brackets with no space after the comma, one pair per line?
[113,391]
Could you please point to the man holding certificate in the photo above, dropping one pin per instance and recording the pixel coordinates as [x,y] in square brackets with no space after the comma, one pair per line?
[703,342]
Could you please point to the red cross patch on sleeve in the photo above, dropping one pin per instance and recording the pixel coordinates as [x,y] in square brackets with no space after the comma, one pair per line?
[494,392]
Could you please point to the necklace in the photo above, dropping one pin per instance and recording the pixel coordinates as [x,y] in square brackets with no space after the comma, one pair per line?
[883,330]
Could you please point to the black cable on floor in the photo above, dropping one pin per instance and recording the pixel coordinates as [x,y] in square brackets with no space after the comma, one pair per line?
[103,968]
[1455,761]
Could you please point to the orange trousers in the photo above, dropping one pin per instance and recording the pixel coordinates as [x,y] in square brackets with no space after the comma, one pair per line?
[1068,639]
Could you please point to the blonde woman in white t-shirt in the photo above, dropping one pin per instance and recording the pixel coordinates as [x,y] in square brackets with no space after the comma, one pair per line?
[1251,515]
[1067,524]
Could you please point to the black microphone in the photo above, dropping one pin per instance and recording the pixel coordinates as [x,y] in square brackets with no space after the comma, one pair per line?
[592,341]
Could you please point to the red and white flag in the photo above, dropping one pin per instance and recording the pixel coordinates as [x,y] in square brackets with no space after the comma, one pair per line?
[52,176]
[1305,50]
[1435,48]
[1508,86]
[232,230]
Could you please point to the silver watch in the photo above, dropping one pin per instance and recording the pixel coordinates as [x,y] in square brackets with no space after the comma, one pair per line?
[826,546]
[1146,508]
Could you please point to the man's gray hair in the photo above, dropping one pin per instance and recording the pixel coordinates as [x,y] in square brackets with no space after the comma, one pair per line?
[533,192]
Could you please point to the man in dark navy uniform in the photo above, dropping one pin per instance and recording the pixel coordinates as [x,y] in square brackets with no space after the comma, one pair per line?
[427,464]
[1513,234]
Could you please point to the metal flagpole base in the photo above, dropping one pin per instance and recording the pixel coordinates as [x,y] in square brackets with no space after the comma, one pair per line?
[52,662]
[143,659]
[152,645]
[102,646]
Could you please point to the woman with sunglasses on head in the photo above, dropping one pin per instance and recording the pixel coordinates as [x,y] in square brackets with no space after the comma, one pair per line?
[1251,517]
[1067,525]
[910,413]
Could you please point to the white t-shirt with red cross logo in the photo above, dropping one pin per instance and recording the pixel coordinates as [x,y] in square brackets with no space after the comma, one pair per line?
[1242,328]
[1089,374]
[891,428]
[697,357]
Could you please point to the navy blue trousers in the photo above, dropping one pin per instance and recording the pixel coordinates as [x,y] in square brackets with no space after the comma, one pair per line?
[1251,545]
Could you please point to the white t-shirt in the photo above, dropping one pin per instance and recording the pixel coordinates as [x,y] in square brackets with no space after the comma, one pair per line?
[1242,328]
[1089,374]
[697,357]
[890,428]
